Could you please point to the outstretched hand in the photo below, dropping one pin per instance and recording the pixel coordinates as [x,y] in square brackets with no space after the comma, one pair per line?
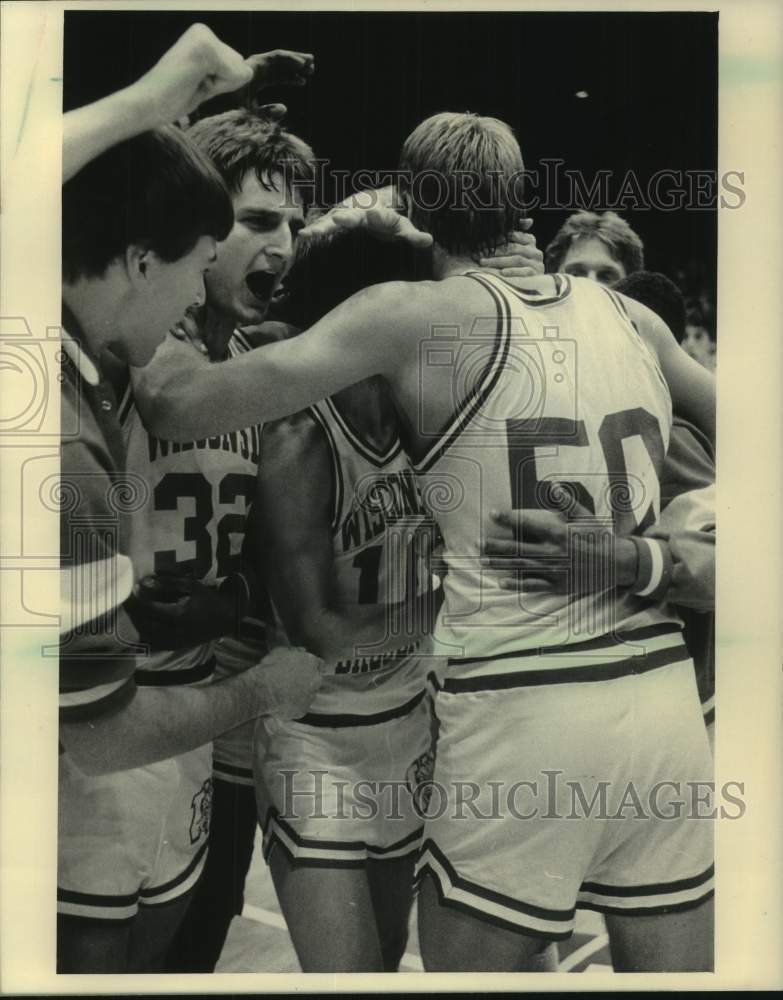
[373,210]
[280,67]
[199,67]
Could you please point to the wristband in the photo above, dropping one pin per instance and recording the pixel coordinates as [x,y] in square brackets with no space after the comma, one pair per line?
[654,573]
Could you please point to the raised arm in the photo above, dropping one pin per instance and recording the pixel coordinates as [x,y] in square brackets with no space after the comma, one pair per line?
[292,521]
[691,386]
[195,69]
[183,397]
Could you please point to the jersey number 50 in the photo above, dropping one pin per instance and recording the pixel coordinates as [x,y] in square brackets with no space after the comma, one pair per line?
[628,513]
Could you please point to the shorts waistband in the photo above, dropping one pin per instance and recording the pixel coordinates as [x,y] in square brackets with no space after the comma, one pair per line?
[582,673]
[340,721]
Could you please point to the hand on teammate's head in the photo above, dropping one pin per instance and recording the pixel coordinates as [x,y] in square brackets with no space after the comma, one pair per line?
[380,221]
[199,67]
[280,67]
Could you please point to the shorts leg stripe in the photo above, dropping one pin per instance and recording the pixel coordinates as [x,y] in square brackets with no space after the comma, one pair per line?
[297,860]
[647,911]
[429,848]
[97,907]
[659,903]
[71,896]
[411,842]
[657,889]
[315,857]
[233,773]
[179,884]
[352,852]
[310,842]
[492,906]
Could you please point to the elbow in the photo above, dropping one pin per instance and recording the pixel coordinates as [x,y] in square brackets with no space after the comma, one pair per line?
[161,417]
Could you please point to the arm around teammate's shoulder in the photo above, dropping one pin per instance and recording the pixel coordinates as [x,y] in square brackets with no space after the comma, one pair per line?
[185,398]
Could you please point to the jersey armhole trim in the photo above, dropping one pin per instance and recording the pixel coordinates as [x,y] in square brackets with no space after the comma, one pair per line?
[337,487]
[372,455]
[625,318]
[484,386]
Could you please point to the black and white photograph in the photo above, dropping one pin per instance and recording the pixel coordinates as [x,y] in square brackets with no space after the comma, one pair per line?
[360,497]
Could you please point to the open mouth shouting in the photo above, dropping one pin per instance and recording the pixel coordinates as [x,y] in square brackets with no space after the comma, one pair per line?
[261,285]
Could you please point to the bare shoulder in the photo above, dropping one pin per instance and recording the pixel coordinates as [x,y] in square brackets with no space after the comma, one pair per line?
[636,310]
[650,327]
[413,299]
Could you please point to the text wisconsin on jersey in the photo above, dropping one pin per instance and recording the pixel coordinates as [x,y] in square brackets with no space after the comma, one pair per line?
[392,496]
[246,443]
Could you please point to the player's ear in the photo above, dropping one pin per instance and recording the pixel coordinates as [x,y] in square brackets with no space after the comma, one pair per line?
[141,264]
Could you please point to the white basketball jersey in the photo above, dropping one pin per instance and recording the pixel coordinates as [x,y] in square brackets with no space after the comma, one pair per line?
[193,521]
[381,545]
[568,393]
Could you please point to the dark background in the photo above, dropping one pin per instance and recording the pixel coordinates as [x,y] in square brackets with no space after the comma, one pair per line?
[651,80]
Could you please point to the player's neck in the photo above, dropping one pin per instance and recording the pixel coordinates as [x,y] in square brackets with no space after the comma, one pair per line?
[93,305]
[215,330]
[446,265]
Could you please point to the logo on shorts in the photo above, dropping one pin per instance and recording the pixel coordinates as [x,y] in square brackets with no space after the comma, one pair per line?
[201,811]
[418,778]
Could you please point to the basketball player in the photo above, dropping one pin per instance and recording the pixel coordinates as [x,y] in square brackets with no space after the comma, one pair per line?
[681,568]
[344,538]
[600,246]
[139,229]
[122,894]
[606,249]
[260,163]
[324,275]
[197,68]
[494,894]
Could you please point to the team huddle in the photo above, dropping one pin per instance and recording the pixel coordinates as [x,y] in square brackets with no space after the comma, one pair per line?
[376,536]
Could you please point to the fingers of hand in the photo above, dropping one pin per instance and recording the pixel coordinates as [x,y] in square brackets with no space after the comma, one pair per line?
[409,233]
[273,112]
[530,585]
[518,272]
[281,66]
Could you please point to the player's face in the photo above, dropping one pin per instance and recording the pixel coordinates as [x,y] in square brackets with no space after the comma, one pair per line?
[258,251]
[590,258]
[169,289]
[697,344]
